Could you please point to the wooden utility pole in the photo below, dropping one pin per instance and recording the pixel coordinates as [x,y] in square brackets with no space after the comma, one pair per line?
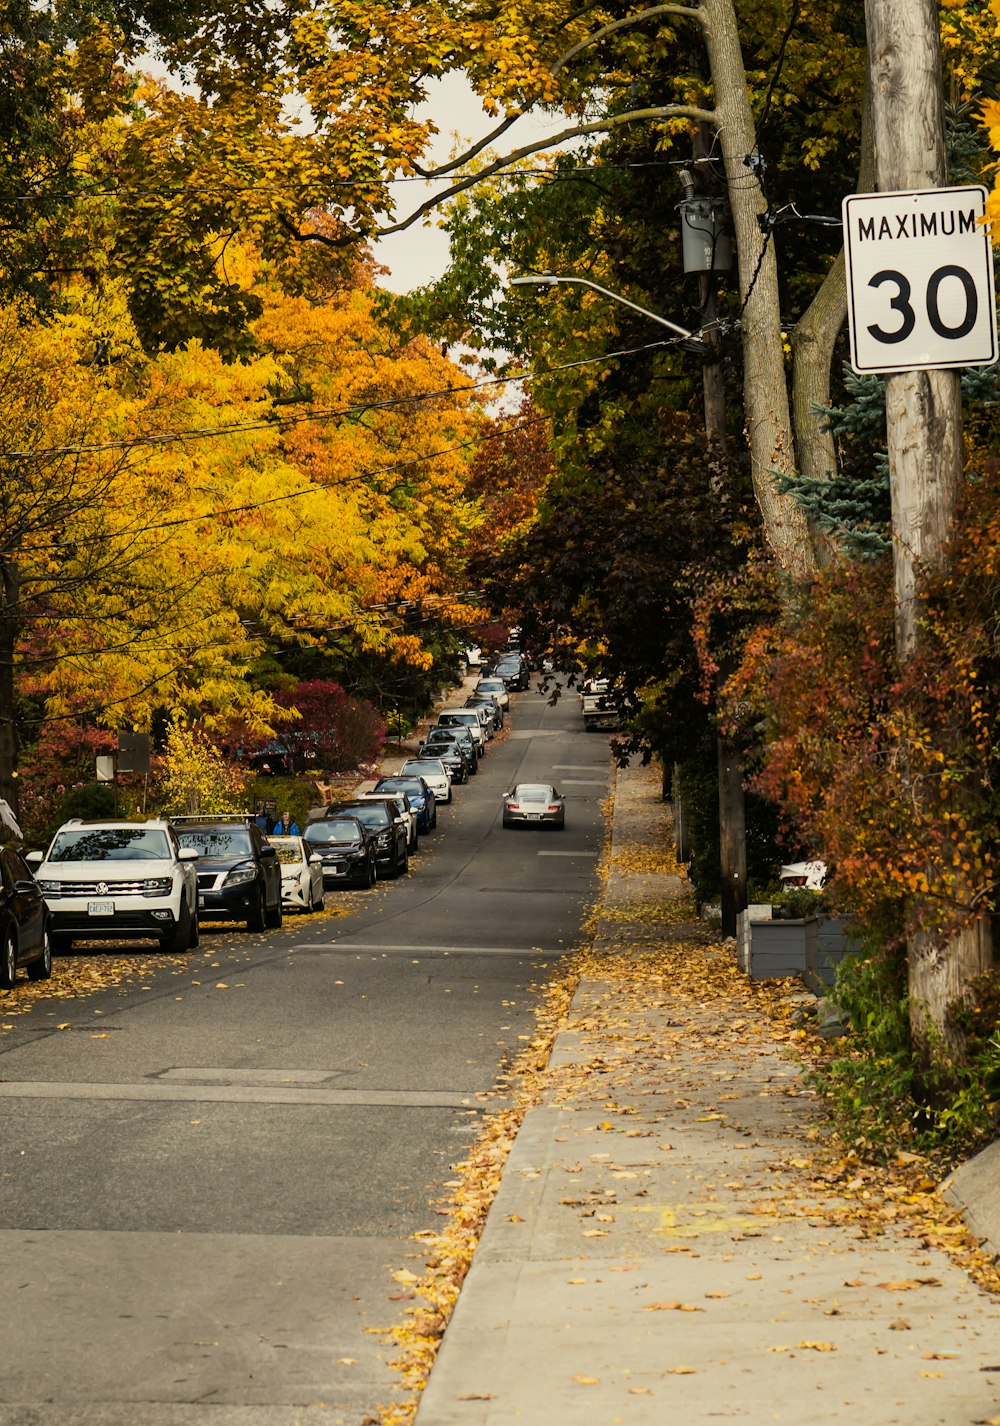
[924,415]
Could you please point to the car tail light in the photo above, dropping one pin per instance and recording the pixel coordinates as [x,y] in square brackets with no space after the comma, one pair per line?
[513,807]
[554,807]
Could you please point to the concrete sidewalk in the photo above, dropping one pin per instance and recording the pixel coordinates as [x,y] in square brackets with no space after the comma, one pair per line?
[659,1251]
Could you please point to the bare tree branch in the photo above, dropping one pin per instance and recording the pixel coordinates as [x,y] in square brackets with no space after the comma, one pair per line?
[686,12]
[615,121]
[477,148]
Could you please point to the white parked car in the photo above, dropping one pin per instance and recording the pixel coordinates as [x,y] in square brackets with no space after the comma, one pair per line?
[119,881]
[809,875]
[433,772]
[464,718]
[301,873]
[498,688]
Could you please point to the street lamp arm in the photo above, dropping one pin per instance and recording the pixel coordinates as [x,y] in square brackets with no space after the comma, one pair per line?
[547,280]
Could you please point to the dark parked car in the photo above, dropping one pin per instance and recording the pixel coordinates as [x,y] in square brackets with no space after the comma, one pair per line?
[455,759]
[456,733]
[489,702]
[239,875]
[513,670]
[390,832]
[422,799]
[23,922]
[534,802]
[347,850]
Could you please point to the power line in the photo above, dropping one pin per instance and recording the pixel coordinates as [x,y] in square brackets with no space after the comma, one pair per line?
[279,423]
[238,190]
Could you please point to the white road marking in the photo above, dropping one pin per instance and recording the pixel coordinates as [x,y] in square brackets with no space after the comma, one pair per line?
[239,1094]
[567,854]
[525,952]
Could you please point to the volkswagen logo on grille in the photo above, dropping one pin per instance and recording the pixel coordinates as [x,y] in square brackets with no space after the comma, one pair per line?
[103,888]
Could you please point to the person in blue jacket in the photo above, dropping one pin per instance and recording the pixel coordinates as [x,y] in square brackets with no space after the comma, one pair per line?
[285,826]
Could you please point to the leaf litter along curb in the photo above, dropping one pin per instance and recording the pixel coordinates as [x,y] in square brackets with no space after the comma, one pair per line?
[82,973]
[829,1184]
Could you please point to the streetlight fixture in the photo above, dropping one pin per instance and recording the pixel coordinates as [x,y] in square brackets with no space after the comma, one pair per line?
[547,279]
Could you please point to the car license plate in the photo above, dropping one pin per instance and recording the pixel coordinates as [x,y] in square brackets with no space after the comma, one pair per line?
[100,908]
[534,816]
[337,870]
[201,901]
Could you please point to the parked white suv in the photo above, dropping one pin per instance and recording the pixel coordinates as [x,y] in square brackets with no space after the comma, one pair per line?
[113,880]
[464,718]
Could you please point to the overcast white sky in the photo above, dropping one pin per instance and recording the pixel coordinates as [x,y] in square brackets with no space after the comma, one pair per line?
[420,253]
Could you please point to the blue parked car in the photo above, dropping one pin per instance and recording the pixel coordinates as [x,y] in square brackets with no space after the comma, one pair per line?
[422,799]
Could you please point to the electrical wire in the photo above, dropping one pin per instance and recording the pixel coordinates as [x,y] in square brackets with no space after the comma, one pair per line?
[238,190]
[279,423]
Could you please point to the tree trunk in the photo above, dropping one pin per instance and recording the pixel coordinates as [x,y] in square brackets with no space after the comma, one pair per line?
[924,415]
[10,594]
[816,334]
[768,420]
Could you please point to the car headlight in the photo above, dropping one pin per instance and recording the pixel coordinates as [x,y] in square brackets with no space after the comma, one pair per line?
[384,839]
[158,886]
[50,888]
[357,855]
[240,875]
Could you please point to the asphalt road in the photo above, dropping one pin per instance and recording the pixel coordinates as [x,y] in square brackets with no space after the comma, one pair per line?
[207,1181]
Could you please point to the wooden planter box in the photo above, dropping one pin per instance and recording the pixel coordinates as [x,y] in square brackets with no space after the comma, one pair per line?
[832,943]
[780,948]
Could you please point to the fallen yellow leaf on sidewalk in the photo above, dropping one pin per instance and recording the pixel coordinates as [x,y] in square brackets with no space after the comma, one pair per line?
[586,1380]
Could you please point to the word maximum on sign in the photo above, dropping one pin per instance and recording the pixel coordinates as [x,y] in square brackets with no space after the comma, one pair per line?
[920,283]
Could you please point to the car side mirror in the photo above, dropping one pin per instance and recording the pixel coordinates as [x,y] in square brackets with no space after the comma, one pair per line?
[35,858]
[314,860]
[268,851]
[189,854]
[24,888]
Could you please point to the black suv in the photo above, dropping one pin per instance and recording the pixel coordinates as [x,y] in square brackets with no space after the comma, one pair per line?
[347,850]
[239,875]
[513,669]
[460,736]
[391,833]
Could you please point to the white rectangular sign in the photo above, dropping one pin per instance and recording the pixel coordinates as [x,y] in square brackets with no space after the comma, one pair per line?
[920,285]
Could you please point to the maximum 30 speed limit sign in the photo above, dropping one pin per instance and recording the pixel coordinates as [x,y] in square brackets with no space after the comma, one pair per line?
[919,280]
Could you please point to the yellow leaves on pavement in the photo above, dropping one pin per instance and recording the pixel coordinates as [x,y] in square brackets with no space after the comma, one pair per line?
[671,1307]
[806,1347]
[582,1380]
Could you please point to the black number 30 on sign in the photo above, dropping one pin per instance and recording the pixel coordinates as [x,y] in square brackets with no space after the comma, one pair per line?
[901,303]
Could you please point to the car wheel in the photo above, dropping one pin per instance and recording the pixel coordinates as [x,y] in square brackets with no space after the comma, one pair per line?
[318,903]
[402,864]
[194,935]
[8,964]
[273,918]
[180,937]
[256,920]
[41,967]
